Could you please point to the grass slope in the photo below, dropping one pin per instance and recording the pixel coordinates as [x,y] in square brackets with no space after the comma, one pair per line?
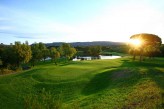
[97,84]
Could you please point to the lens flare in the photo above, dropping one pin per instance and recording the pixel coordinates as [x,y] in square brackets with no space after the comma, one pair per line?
[136,42]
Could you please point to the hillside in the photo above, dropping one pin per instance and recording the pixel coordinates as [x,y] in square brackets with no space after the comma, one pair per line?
[98,84]
[75,44]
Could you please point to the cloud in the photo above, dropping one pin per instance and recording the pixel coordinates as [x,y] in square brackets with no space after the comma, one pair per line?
[29,25]
[25,37]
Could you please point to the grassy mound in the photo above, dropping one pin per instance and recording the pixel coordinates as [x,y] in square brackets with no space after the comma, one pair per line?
[98,84]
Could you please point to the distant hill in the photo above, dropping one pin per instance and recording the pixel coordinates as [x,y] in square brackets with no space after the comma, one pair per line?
[94,43]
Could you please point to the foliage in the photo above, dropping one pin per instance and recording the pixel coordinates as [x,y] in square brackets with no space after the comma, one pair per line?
[151,51]
[116,48]
[39,51]
[67,51]
[148,39]
[162,50]
[149,46]
[14,55]
[105,50]
[44,51]
[54,54]
[23,52]
[8,57]
[1,49]
[94,50]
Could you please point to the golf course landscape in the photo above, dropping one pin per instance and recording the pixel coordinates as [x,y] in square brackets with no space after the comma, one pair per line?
[81,54]
[97,84]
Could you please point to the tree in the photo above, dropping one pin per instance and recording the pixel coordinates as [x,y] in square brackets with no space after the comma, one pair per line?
[36,54]
[134,52]
[8,57]
[143,42]
[54,54]
[39,51]
[94,50]
[162,50]
[1,49]
[151,51]
[44,51]
[14,55]
[67,51]
[23,52]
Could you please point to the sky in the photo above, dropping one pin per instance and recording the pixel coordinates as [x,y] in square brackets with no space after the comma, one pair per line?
[50,21]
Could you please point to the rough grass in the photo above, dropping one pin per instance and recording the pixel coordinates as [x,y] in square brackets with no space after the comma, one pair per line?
[5,71]
[98,84]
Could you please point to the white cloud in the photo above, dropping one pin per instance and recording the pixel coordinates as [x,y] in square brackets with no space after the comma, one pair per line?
[30,26]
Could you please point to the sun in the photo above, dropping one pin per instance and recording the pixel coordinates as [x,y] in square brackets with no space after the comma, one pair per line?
[136,42]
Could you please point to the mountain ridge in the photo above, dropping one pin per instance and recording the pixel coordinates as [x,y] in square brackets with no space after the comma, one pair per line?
[92,43]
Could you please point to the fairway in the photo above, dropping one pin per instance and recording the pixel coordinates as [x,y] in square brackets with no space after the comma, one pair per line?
[97,84]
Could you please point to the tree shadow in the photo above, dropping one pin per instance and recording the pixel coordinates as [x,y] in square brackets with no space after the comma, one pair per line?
[151,67]
[64,64]
[131,63]
[157,76]
[104,80]
[111,79]
[26,74]
[98,83]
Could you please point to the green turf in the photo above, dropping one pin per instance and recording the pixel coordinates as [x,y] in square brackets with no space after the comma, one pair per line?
[98,84]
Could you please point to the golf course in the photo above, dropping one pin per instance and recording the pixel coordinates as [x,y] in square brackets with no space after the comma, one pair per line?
[81,54]
[96,84]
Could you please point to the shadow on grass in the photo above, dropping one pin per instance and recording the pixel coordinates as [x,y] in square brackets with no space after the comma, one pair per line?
[98,83]
[64,64]
[157,76]
[74,63]
[105,79]
[26,74]
[119,78]
[147,63]
[69,90]
[151,66]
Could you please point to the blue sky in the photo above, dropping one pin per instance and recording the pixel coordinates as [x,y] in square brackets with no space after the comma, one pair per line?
[79,20]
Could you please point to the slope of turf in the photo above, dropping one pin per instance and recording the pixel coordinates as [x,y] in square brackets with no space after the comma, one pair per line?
[97,84]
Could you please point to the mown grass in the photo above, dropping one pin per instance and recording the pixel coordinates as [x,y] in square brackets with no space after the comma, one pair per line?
[98,84]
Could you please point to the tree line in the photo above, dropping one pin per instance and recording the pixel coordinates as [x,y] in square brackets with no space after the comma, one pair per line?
[14,55]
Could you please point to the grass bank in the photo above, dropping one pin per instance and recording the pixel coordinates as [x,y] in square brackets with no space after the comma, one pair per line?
[98,84]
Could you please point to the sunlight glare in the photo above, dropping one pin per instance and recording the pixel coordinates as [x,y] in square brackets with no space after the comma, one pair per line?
[136,42]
